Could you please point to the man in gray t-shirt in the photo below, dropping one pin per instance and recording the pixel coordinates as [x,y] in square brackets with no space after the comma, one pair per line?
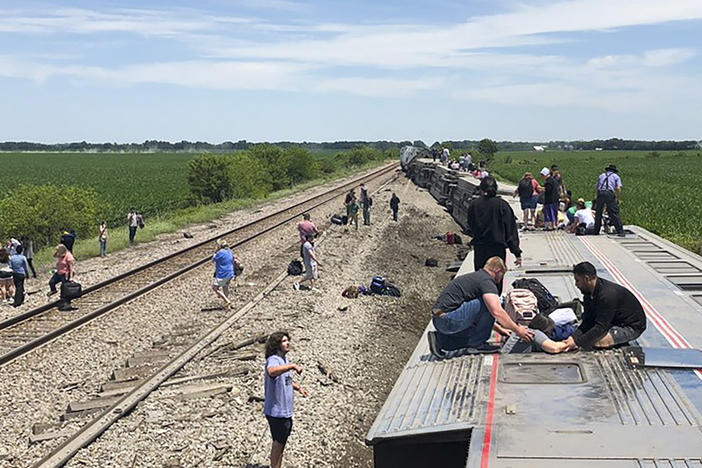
[311,262]
[465,312]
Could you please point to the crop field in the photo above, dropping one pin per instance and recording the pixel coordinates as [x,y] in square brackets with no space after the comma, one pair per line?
[661,191]
[154,183]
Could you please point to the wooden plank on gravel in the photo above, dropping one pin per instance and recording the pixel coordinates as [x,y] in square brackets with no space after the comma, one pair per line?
[67,416]
[199,391]
[132,373]
[141,360]
[114,392]
[107,386]
[92,404]
[34,438]
[39,428]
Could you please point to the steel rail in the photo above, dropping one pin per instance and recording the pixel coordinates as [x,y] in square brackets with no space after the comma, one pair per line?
[41,340]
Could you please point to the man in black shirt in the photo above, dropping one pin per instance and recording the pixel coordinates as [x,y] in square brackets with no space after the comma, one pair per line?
[612,313]
[465,312]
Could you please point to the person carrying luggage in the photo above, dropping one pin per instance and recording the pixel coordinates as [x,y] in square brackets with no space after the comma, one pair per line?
[63,274]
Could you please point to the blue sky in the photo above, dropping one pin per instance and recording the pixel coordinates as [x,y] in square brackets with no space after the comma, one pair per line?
[269,70]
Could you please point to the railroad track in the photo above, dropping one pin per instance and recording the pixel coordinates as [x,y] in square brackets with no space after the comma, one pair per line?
[25,332]
[141,388]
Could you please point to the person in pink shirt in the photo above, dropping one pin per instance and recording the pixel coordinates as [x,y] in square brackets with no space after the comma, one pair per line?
[304,228]
[64,271]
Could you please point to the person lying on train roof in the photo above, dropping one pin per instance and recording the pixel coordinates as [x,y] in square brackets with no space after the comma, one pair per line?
[612,315]
[464,313]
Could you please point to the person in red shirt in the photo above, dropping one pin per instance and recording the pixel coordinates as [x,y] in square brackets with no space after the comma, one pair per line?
[305,227]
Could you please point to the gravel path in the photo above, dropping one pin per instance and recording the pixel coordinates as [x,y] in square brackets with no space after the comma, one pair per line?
[362,342]
[37,388]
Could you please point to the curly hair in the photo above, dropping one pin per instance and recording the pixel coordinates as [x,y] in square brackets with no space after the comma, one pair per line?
[273,342]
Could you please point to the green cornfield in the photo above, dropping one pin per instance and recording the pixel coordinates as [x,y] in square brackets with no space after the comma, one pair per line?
[153,183]
[660,190]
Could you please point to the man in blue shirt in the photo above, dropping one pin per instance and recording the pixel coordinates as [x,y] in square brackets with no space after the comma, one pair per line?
[224,271]
[20,271]
[608,193]
[278,388]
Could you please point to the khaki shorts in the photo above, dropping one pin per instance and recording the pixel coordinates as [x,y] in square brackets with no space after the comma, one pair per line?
[312,273]
[221,282]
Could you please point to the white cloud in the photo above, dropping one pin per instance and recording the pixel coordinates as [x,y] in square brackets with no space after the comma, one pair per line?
[667,57]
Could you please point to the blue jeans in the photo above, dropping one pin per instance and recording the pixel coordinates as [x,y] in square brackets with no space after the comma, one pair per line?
[55,279]
[465,327]
[132,233]
[103,247]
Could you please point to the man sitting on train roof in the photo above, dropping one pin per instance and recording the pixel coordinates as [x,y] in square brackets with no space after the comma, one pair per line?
[465,312]
[612,315]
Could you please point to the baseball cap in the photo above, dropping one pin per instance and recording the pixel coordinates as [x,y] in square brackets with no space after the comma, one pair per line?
[545,171]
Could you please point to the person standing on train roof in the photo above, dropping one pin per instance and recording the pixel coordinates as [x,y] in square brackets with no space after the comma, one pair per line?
[551,197]
[608,193]
[493,226]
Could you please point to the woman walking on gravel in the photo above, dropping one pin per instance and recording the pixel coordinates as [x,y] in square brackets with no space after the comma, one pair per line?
[278,393]
[102,238]
[224,271]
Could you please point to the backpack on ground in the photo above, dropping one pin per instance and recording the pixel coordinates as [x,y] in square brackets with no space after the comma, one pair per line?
[377,285]
[71,290]
[521,305]
[525,188]
[336,219]
[431,262]
[544,298]
[295,268]
[392,290]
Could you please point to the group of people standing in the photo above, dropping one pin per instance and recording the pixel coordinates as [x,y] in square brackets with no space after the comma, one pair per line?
[14,270]
[557,202]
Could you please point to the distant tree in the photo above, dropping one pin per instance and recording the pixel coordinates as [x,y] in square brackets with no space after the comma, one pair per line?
[248,176]
[487,149]
[39,211]
[300,165]
[209,177]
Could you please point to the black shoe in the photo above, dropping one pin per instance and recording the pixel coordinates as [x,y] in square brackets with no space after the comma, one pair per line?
[434,346]
[483,348]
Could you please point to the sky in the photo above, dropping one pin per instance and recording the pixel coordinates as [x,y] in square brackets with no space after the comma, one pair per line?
[322,70]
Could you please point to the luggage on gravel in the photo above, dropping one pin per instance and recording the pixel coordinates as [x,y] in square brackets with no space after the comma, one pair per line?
[380,285]
[431,262]
[544,298]
[295,268]
[337,219]
[71,290]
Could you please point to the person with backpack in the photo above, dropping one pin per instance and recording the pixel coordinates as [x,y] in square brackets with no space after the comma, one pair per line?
[609,192]
[224,271]
[278,392]
[493,227]
[350,198]
[464,314]
[311,262]
[528,191]
[394,205]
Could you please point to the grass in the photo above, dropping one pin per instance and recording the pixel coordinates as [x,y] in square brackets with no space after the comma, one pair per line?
[659,190]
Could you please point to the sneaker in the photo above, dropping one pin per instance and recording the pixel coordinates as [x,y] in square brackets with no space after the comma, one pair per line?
[434,346]
[296,286]
[483,348]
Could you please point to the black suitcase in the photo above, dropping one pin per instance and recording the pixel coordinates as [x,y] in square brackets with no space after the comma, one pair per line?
[71,290]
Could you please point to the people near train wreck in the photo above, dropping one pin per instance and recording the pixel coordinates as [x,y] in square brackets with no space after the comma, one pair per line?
[133,223]
[6,283]
[394,205]
[583,219]
[309,258]
[528,192]
[465,312]
[68,238]
[366,203]
[65,270]
[102,238]
[20,272]
[11,245]
[224,271]
[352,209]
[608,193]
[350,197]
[304,228]
[28,252]
[493,226]
[551,198]
[278,389]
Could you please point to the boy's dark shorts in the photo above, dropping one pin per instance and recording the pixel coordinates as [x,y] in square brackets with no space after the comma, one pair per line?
[280,428]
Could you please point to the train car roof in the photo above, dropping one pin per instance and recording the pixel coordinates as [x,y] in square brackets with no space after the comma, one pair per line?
[572,409]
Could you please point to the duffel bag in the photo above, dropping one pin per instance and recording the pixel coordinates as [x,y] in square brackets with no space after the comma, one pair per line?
[71,290]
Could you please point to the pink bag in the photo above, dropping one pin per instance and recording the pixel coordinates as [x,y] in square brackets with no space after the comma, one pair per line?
[521,305]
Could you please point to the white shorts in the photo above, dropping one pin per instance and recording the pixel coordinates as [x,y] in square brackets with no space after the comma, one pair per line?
[311,273]
[221,282]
